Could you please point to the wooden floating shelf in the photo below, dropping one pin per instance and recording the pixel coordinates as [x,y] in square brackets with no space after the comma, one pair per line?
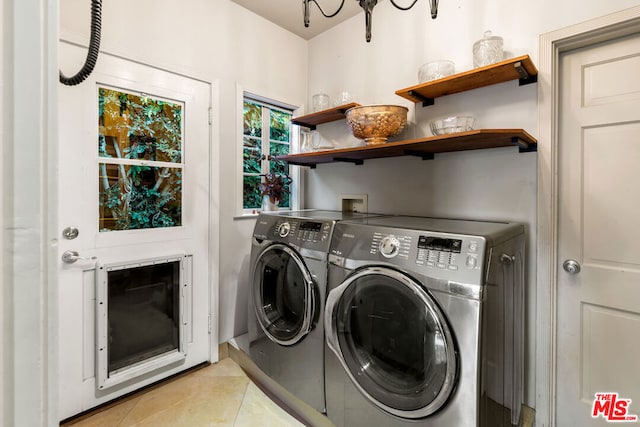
[324,116]
[421,147]
[520,68]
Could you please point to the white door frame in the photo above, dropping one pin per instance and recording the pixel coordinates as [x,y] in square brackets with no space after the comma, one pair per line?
[551,46]
[28,285]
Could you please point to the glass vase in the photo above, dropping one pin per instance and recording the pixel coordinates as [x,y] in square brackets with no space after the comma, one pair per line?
[268,205]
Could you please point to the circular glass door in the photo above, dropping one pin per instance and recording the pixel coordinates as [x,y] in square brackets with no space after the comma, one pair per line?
[393,341]
[284,295]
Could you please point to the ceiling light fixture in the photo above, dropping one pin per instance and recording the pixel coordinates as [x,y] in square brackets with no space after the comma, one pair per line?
[367,6]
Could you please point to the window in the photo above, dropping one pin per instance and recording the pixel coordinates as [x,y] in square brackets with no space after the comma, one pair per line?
[266,134]
[140,161]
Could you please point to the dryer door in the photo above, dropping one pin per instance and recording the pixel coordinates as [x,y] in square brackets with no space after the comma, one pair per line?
[393,341]
[284,295]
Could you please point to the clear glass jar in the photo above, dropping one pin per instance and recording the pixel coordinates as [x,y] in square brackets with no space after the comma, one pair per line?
[319,102]
[487,50]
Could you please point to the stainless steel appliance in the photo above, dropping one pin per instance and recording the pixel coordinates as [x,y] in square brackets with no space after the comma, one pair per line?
[288,288]
[424,323]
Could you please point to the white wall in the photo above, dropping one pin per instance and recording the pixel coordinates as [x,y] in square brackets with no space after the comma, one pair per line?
[485,184]
[5,391]
[5,364]
[216,41]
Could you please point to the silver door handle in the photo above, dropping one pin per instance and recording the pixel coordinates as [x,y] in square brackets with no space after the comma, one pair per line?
[571,266]
[69,257]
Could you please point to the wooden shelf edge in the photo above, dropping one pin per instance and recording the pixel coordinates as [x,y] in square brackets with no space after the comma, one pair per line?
[324,116]
[422,147]
[518,68]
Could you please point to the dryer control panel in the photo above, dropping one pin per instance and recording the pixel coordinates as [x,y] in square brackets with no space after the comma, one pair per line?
[449,253]
[438,252]
[439,255]
[454,252]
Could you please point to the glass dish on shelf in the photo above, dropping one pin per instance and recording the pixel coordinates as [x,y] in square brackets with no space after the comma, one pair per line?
[452,124]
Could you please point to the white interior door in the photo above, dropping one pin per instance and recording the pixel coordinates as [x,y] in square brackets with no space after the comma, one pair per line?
[599,306]
[82,172]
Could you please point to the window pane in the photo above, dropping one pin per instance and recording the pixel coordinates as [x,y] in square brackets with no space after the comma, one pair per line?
[277,166]
[251,198]
[138,127]
[252,119]
[280,125]
[286,197]
[135,197]
[251,157]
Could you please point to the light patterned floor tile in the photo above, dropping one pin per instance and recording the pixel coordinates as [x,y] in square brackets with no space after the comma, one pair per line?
[196,400]
[219,395]
[224,368]
[108,417]
[258,410]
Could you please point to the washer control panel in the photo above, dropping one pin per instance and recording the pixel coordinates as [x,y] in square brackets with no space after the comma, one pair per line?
[303,231]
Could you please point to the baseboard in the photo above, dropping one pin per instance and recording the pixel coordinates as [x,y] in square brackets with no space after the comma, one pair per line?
[527,416]
[223,351]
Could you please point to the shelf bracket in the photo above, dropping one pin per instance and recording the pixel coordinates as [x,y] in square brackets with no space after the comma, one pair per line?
[311,165]
[346,160]
[423,155]
[425,101]
[523,147]
[304,125]
[525,77]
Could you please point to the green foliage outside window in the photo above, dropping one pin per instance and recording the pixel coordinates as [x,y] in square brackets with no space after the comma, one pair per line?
[260,147]
[139,128]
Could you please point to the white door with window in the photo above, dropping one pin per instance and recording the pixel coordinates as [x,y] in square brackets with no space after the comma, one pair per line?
[134,197]
[599,235]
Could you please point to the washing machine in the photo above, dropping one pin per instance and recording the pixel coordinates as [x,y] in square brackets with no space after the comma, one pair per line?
[288,287]
[424,323]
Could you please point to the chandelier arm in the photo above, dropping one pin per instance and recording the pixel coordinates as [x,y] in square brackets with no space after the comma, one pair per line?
[397,6]
[434,9]
[329,15]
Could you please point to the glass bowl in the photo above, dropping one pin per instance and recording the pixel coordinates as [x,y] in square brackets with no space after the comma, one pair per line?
[435,70]
[452,125]
[376,123]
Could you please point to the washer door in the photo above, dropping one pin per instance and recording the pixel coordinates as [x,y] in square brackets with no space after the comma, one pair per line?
[393,341]
[284,295]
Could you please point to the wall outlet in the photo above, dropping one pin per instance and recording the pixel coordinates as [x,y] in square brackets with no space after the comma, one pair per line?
[354,202]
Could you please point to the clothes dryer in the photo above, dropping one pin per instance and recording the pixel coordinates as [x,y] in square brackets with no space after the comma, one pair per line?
[288,288]
[424,323]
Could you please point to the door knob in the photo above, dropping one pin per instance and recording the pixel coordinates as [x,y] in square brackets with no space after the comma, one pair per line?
[571,266]
[69,257]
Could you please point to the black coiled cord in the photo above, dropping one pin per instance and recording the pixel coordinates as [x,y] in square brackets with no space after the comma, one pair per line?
[94,47]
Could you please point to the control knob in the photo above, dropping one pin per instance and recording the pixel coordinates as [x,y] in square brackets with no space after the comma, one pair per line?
[389,246]
[284,229]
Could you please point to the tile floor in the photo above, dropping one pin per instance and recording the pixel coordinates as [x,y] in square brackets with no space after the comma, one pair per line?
[218,395]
